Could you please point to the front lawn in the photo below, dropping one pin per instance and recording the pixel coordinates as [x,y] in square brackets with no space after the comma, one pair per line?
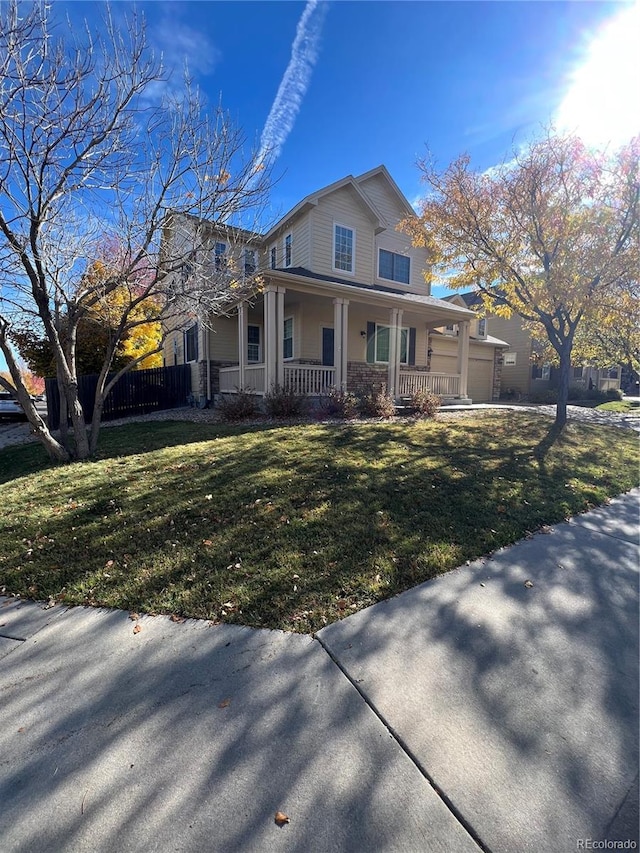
[627,407]
[291,526]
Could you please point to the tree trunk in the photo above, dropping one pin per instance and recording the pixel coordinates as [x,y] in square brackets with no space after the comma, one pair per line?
[563,386]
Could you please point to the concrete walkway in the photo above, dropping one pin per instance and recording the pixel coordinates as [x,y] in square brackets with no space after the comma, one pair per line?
[494,708]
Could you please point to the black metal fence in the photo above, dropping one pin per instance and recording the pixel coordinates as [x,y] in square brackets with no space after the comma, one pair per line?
[135,393]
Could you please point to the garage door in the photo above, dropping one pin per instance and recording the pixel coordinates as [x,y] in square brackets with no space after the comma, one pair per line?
[480,381]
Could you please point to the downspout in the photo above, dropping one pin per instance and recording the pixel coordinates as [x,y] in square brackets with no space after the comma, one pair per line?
[207,347]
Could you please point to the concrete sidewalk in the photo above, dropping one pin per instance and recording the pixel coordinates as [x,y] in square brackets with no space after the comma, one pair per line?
[473,712]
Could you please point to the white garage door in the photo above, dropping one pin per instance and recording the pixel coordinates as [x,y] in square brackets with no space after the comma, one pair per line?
[480,381]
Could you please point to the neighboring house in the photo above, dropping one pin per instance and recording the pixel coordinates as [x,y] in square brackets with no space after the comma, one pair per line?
[524,374]
[343,304]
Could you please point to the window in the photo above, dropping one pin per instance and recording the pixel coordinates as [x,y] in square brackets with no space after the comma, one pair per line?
[482,327]
[510,359]
[287,338]
[249,261]
[220,256]
[191,344]
[393,267]
[451,329]
[611,373]
[272,257]
[287,250]
[541,371]
[343,248]
[577,373]
[382,344]
[253,343]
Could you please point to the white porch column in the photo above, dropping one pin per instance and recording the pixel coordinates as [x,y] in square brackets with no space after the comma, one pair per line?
[395,331]
[463,356]
[345,344]
[242,343]
[280,336]
[337,342]
[270,338]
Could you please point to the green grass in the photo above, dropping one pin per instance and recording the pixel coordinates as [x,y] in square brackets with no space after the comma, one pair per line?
[293,526]
[627,407]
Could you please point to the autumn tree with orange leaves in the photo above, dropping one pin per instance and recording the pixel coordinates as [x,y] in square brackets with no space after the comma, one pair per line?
[551,235]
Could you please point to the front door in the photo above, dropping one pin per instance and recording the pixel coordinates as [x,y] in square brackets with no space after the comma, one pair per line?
[327,347]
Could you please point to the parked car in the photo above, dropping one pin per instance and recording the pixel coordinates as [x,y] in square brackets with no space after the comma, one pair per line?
[10,407]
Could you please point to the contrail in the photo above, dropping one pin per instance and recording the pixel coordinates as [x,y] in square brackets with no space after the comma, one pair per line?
[294,84]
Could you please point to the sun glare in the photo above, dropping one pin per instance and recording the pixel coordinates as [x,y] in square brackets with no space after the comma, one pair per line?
[602,104]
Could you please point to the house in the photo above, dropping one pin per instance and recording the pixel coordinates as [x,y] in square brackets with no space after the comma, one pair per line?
[524,374]
[342,304]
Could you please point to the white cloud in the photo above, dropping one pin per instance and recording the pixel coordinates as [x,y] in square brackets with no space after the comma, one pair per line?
[294,84]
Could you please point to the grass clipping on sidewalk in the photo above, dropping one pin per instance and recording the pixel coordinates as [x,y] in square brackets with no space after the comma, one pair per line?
[291,527]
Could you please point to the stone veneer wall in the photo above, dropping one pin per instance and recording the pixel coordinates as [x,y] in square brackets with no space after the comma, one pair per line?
[362,377]
[215,377]
[498,359]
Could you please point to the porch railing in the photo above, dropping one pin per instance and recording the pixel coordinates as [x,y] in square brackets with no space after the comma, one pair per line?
[253,379]
[443,384]
[301,378]
[308,378]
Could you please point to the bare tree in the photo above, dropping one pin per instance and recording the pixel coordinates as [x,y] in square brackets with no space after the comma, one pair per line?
[88,149]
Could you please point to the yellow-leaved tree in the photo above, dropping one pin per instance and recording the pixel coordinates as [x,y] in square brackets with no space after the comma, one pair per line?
[551,235]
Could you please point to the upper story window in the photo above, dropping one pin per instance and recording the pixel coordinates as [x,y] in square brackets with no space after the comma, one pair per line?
[191,343]
[482,327]
[249,261]
[343,245]
[393,266]
[288,240]
[272,257]
[451,329]
[220,256]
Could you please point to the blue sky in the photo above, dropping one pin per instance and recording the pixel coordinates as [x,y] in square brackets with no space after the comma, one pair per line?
[389,77]
[380,81]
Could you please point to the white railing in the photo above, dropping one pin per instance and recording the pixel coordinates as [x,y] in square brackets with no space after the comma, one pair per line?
[443,384]
[253,379]
[308,379]
[229,380]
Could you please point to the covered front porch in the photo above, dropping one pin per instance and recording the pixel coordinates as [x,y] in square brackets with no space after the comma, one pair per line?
[310,341]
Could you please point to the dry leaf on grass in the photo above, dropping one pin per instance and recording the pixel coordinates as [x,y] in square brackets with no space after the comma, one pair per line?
[281,818]
[134,617]
[176,618]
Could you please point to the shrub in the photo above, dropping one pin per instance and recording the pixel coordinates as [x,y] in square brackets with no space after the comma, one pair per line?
[578,392]
[339,404]
[377,404]
[237,407]
[425,403]
[547,396]
[613,394]
[285,403]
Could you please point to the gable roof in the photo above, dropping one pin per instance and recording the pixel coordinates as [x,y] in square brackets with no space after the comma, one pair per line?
[354,183]
[383,171]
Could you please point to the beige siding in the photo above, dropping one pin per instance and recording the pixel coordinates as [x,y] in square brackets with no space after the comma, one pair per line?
[223,339]
[518,376]
[300,230]
[390,208]
[343,207]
